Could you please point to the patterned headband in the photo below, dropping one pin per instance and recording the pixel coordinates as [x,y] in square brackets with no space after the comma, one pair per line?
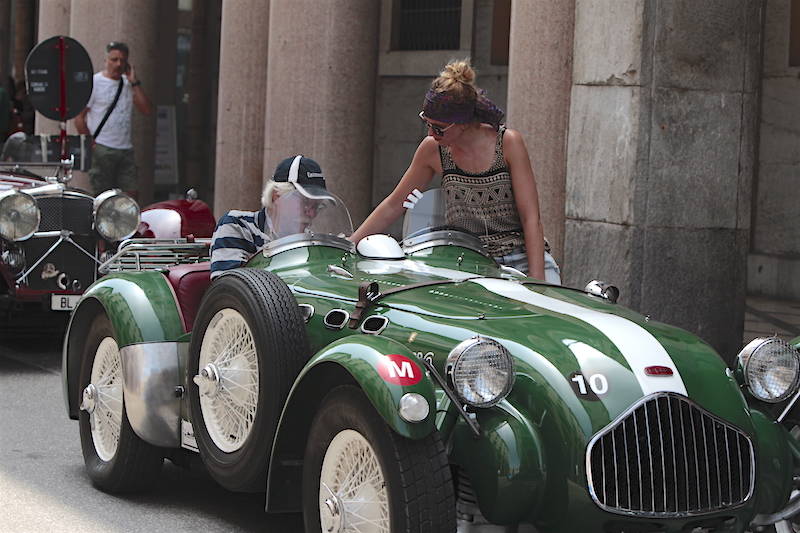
[442,106]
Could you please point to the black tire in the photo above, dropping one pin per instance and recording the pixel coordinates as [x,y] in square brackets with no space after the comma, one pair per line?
[136,463]
[416,472]
[273,317]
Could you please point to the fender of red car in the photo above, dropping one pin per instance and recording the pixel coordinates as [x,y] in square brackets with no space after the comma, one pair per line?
[384,369]
[141,307]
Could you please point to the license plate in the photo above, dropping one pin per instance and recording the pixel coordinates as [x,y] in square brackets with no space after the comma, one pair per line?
[63,302]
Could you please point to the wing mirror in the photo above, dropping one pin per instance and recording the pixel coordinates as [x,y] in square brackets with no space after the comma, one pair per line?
[603,290]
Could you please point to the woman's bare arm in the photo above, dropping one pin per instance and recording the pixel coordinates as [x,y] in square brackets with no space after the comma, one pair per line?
[526,197]
[418,175]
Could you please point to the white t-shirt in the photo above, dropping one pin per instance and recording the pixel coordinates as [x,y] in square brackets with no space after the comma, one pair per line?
[117,130]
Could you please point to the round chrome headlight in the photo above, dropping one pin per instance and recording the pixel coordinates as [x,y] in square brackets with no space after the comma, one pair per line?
[481,371]
[19,215]
[116,215]
[771,369]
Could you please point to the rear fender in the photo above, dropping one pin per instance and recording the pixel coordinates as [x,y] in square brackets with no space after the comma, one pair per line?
[142,309]
[354,360]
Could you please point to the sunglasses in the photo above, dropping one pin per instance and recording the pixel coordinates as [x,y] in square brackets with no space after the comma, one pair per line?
[437,130]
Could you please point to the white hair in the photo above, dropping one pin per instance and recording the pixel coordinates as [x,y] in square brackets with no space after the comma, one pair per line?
[271,187]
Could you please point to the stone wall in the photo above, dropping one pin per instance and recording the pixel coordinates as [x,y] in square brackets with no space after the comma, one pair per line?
[660,157]
[774,260]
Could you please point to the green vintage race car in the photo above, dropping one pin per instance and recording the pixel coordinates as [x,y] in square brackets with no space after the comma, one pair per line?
[420,386]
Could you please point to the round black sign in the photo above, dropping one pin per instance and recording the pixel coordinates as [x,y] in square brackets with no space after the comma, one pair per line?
[43,70]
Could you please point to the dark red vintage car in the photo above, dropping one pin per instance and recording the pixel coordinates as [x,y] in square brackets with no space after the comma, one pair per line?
[53,237]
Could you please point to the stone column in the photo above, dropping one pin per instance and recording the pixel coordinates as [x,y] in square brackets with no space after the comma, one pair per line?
[95,24]
[241,105]
[321,91]
[660,157]
[539,81]
[23,35]
[5,41]
[53,20]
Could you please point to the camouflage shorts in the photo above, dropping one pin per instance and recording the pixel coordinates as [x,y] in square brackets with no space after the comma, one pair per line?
[113,168]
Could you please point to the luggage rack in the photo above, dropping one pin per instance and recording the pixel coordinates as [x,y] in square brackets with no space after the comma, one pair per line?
[155,254]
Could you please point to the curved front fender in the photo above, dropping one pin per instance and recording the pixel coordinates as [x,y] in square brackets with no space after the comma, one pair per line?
[141,307]
[353,360]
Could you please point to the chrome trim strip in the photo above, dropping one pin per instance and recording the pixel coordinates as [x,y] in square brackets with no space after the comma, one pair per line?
[443,238]
[150,373]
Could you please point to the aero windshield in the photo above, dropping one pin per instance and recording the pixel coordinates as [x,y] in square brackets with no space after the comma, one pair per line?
[293,213]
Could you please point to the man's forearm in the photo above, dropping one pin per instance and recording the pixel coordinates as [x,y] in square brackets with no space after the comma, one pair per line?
[80,124]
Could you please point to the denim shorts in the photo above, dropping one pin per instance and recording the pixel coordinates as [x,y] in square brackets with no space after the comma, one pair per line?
[518,259]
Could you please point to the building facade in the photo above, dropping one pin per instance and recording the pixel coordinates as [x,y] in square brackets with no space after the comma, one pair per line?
[662,134]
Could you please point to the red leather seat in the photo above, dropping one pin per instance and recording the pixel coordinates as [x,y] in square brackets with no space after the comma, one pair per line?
[190,283]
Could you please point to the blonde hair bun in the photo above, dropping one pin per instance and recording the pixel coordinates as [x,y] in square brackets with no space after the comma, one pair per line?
[460,71]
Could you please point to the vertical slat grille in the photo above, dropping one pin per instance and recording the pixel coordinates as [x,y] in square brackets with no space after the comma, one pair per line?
[74,214]
[669,457]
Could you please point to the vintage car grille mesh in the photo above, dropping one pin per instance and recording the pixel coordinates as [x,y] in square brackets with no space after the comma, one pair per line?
[668,457]
[74,214]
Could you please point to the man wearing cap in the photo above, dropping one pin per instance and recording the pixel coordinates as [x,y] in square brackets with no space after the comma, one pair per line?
[290,201]
[107,117]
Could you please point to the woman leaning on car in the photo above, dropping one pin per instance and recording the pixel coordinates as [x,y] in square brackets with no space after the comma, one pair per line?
[472,151]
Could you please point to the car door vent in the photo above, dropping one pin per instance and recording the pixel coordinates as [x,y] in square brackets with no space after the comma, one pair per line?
[374,325]
[307,311]
[336,319]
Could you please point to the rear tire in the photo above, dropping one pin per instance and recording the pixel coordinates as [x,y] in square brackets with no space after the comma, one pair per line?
[358,472]
[116,459]
[248,346]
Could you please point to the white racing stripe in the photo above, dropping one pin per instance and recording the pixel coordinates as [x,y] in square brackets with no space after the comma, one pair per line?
[636,344]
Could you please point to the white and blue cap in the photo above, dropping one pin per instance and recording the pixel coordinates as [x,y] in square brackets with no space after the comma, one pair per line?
[305,174]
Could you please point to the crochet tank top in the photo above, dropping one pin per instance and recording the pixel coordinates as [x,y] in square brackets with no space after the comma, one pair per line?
[483,203]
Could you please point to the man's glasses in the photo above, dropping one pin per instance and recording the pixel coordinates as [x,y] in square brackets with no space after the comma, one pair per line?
[437,130]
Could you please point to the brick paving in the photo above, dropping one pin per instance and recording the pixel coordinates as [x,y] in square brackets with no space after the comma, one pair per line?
[768,316]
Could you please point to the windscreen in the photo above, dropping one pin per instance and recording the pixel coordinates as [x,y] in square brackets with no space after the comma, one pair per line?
[293,213]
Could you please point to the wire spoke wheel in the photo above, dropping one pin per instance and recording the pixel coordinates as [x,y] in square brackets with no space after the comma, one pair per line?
[228,380]
[106,417]
[352,493]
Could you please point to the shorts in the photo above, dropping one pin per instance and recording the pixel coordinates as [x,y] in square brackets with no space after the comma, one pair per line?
[518,259]
[113,168]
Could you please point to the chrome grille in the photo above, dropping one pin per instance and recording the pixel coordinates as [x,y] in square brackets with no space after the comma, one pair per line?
[58,213]
[668,457]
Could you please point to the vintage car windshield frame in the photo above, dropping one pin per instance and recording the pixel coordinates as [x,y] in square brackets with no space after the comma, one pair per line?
[300,240]
[447,237]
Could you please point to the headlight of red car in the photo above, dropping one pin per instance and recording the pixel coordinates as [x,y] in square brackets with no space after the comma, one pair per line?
[19,215]
[116,215]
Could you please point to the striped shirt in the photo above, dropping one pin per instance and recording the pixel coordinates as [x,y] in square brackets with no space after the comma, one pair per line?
[238,237]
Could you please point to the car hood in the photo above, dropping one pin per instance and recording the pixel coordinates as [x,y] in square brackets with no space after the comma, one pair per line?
[11,181]
[572,342]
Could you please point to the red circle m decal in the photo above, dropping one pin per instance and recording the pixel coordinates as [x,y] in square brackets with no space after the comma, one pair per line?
[399,369]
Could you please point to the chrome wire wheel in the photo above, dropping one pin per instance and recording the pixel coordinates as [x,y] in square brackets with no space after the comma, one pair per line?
[102,399]
[352,489]
[228,380]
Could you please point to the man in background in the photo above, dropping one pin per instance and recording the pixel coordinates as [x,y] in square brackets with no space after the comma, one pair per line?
[107,117]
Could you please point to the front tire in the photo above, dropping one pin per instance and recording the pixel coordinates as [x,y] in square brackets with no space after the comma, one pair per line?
[116,459]
[248,346]
[360,476]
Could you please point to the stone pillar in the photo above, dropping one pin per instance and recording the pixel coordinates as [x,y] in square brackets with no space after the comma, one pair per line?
[23,35]
[5,41]
[774,262]
[241,106]
[660,157]
[95,24]
[539,81]
[321,91]
[53,20]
